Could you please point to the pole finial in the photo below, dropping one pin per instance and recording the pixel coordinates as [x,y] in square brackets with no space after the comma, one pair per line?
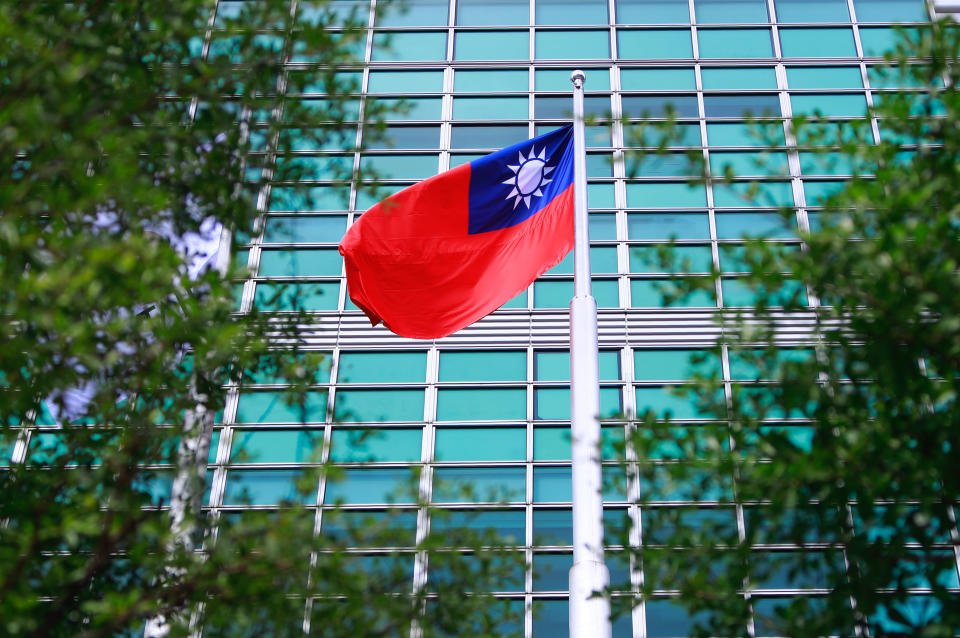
[578,78]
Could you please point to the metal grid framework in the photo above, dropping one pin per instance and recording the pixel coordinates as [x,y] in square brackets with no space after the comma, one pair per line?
[518,398]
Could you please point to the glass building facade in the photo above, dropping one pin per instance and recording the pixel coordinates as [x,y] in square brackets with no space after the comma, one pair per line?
[489,405]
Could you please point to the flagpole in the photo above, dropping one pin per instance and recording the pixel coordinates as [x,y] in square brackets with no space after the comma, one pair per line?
[589,614]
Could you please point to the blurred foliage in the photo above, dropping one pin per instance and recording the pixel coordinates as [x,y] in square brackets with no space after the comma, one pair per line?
[838,454]
[124,125]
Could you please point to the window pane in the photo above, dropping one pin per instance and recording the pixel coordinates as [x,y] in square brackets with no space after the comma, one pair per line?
[649,293]
[560,107]
[551,484]
[812,11]
[601,196]
[369,486]
[817,43]
[878,40]
[413,108]
[491,12]
[658,79]
[552,527]
[665,195]
[316,198]
[400,166]
[481,444]
[824,77]
[554,403]
[416,13]
[646,259]
[603,259]
[487,136]
[752,134]
[263,487]
[662,401]
[666,618]
[742,163]
[657,106]
[486,484]
[603,227]
[490,108]
[668,226]
[755,194]
[491,45]
[375,445]
[730,11]
[276,446]
[379,405]
[838,105]
[270,407]
[472,81]
[659,44]
[382,367]
[557,293]
[559,80]
[551,572]
[736,293]
[310,297]
[482,404]
[561,45]
[554,365]
[410,45]
[735,43]
[299,263]
[652,12]
[745,78]
[405,81]
[890,11]
[490,365]
[767,225]
[425,137]
[741,106]
[673,365]
[571,12]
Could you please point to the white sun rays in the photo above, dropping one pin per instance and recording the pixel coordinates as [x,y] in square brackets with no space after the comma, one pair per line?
[529,175]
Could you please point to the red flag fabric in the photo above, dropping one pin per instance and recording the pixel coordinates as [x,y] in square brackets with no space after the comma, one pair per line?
[439,255]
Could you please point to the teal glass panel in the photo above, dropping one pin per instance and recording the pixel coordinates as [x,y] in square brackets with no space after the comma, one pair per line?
[566,12]
[668,226]
[835,105]
[661,165]
[816,193]
[309,297]
[603,259]
[660,106]
[817,43]
[599,165]
[603,227]
[479,484]
[375,445]
[488,365]
[551,444]
[416,13]
[551,572]
[666,195]
[314,198]
[876,41]
[673,365]
[570,44]
[300,263]
[270,407]
[559,80]
[481,13]
[316,166]
[509,525]
[725,79]
[520,301]
[666,619]
[405,82]
[744,368]
[734,134]
[681,135]
[601,196]
[658,79]
[490,108]
[826,164]
[730,11]
[276,446]
[750,194]
[554,365]
[382,367]
[741,106]
[812,11]
[652,12]
[891,11]
[735,43]
[646,259]
[491,45]
[662,401]
[371,486]
[649,293]
[410,108]
[767,163]
[481,404]
[552,485]
[413,137]
[379,405]
[481,444]
[557,293]
[732,256]
[765,225]
[736,293]
[263,487]
[484,81]
[824,77]
[654,44]
[409,45]
[554,403]
[400,166]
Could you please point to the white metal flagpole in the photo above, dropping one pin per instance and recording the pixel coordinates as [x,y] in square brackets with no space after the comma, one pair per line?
[589,612]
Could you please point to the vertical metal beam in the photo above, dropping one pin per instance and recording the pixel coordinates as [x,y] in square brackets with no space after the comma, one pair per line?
[589,578]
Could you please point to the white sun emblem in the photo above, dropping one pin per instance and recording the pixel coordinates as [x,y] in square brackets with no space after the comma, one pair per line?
[529,175]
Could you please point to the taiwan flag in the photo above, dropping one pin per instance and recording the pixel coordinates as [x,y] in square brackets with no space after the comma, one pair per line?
[441,254]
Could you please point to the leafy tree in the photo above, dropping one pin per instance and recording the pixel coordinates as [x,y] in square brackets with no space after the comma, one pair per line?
[129,133]
[829,460]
